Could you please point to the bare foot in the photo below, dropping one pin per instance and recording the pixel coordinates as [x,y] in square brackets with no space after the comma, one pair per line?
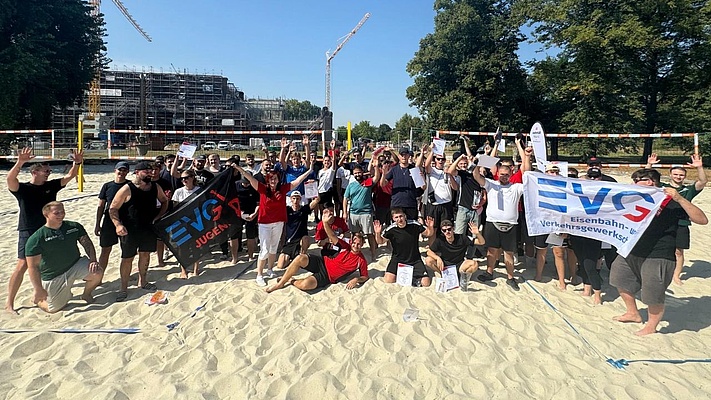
[11,310]
[586,293]
[196,272]
[677,281]
[183,275]
[88,298]
[561,286]
[645,331]
[538,278]
[234,261]
[597,299]
[273,288]
[628,318]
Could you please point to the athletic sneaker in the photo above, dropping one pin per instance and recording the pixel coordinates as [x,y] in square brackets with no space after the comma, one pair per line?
[260,281]
[514,285]
[515,259]
[270,273]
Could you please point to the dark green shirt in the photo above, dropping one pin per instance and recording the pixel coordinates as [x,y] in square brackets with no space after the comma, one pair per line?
[58,248]
[688,192]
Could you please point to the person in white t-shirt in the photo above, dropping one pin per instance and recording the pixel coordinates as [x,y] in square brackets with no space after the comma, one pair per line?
[501,219]
[189,187]
[343,178]
[326,178]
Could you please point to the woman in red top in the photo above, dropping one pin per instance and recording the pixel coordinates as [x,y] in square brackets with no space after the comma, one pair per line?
[271,217]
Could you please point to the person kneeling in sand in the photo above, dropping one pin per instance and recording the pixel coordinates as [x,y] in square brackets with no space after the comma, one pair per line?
[327,270]
[451,250]
[54,262]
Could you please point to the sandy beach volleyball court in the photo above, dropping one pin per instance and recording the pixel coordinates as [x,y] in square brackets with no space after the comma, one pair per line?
[490,342]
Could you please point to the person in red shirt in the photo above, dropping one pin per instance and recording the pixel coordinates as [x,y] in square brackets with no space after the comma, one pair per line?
[271,216]
[327,270]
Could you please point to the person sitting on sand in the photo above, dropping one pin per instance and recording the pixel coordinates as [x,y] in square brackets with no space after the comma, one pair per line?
[451,250]
[404,235]
[54,262]
[296,239]
[649,267]
[347,260]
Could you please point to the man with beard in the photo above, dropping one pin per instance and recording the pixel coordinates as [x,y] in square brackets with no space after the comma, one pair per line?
[404,191]
[251,167]
[133,211]
[502,217]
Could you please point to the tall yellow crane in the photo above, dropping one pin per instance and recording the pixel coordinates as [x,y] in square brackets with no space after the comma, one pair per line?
[95,89]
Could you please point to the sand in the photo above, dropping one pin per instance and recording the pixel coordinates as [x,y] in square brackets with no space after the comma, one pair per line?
[487,343]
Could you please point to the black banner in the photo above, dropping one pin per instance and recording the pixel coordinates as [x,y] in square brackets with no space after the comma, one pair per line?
[201,220]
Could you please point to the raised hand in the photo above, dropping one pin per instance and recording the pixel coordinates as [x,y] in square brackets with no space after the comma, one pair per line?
[653,159]
[429,221]
[305,140]
[25,155]
[473,228]
[696,161]
[377,228]
[79,156]
[284,142]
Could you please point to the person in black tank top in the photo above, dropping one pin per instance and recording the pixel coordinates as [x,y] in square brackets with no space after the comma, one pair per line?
[133,212]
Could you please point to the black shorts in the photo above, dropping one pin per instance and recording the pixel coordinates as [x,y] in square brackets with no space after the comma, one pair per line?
[540,242]
[138,240]
[683,237]
[419,270]
[292,249]
[496,239]
[22,237]
[327,196]
[107,234]
[317,267]
[250,227]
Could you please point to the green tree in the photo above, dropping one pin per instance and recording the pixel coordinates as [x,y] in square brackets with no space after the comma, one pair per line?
[49,52]
[467,75]
[301,110]
[364,129]
[407,122]
[629,65]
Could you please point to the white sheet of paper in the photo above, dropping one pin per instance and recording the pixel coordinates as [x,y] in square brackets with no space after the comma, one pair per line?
[417,177]
[438,146]
[311,190]
[404,274]
[488,161]
[502,146]
[450,277]
[440,285]
[554,239]
[187,150]
[410,315]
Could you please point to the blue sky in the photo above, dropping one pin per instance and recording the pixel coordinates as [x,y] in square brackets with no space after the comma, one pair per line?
[276,48]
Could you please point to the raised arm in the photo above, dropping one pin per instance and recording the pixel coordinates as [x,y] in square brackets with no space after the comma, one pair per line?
[252,181]
[174,169]
[428,160]
[307,150]
[283,151]
[653,159]
[72,173]
[327,221]
[478,177]
[525,156]
[296,182]
[378,229]
[24,155]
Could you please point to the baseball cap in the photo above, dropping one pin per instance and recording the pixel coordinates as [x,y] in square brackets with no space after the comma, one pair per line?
[160,159]
[594,161]
[295,193]
[404,150]
[122,164]
[552,167]
[594,172]
[201,157]
[445,222]
[142,165]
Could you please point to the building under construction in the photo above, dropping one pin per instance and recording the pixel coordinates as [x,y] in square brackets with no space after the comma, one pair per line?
[178,102]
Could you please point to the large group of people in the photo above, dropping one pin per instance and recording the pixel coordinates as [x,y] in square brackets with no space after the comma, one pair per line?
[464,213]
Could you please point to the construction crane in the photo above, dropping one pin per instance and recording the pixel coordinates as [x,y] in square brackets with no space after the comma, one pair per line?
[95,89]
[329,57]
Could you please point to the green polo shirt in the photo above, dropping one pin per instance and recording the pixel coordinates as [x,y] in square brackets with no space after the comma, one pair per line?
[688,192]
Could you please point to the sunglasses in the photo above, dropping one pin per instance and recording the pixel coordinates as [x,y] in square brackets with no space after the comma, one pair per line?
[185,178]
[642,180]
[123,169]
[445,230]
[439,159]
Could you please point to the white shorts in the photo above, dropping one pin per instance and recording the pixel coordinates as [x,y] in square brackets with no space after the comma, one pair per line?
[362,223]
[59,289]
[269,238]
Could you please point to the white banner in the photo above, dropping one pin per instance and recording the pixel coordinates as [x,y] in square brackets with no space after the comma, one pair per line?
[538,141]
[610,212]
